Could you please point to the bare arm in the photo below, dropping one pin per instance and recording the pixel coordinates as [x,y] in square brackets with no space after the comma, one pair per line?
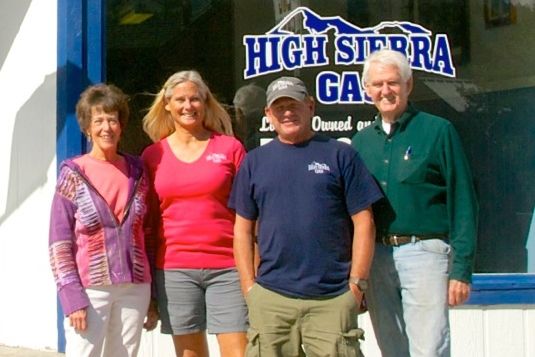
[363,247]
[244,252]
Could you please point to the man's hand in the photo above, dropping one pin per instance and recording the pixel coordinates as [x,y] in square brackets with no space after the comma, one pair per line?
[357,294]
[78,319]
[458,292]
[244,252]
[246,286]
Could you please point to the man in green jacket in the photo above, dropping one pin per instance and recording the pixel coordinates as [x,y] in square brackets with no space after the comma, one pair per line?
[427,222]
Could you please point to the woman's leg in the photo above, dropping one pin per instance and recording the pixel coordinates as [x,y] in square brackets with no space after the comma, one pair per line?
[232,344]
[181,301]
[129,308]
[89,343]
[191,345]
[227,311]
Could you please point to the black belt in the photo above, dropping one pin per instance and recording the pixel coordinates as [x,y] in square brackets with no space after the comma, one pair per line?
[398,239]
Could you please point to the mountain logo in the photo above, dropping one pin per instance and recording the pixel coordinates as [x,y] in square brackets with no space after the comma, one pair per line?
[316,24]
[318,168]
[281,48]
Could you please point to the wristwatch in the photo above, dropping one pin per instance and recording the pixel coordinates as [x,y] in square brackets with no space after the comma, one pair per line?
[361,284]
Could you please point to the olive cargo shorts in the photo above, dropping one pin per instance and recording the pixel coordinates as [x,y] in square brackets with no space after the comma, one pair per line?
[286,327]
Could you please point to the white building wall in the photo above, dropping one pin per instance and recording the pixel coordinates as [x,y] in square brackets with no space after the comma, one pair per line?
[28,30]
[477,331]
[480,331]
[28,33]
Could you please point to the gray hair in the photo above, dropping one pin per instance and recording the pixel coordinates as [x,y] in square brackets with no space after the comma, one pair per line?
[389,58]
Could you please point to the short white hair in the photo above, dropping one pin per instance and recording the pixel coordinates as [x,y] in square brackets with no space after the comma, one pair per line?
[389,58]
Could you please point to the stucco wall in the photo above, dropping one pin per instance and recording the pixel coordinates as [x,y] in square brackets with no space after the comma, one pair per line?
[27,171]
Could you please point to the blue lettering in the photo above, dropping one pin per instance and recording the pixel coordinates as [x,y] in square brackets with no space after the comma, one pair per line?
[331,88]
[350,49]
[327,87]
[376,43]
[351,88]
[278,50]
[344,51]
[399,43]
[360,49]
[291,52]
[315,50]
[421,51]
[442,55]
[256,55]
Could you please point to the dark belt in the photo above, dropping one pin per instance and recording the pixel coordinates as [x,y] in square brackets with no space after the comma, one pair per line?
[397,239]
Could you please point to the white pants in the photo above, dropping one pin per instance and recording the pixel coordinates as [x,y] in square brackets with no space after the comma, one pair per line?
[114,322]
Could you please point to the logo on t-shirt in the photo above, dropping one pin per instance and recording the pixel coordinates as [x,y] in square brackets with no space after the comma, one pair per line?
[216,158]
[318,168]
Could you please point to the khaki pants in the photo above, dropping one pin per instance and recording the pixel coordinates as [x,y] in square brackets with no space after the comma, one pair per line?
[286,327]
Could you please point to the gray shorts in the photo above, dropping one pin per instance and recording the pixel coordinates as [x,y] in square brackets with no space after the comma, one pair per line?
[194,300]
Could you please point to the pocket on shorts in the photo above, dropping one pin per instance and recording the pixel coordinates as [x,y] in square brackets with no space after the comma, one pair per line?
[348,343]
[437,246]
[253,343]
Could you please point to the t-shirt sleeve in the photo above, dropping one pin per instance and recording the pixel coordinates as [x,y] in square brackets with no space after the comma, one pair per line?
[360,187]
[239,154]
[241,197]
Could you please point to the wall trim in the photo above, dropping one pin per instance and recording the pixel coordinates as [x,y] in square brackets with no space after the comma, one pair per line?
[502,289]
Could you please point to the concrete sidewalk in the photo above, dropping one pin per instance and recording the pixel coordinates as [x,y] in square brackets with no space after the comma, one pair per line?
[25,352]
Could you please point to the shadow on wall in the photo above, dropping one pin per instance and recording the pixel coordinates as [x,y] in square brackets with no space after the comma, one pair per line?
[38,125]
[12,14]
[34,126]
[32,146]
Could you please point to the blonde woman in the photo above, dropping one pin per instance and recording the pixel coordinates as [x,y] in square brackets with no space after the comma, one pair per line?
[192,165]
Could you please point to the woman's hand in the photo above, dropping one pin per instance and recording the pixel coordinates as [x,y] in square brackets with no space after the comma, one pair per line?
[78,319]
[152,316]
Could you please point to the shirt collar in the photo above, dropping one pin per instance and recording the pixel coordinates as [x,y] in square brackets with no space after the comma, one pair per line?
[402,121]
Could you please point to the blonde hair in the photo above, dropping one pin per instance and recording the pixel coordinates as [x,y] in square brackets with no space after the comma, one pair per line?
[158,122]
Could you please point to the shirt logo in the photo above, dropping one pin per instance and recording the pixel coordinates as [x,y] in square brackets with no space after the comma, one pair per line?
[282,84]
[318,168]
[216,158]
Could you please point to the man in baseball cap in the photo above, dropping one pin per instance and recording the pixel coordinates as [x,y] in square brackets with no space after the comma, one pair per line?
[290,87]
[290,109]
[312,197]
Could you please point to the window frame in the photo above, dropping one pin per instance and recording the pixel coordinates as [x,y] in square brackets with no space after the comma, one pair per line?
[80,62]
[81,57]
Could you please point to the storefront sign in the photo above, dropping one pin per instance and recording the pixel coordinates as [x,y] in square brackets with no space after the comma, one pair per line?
[283,49]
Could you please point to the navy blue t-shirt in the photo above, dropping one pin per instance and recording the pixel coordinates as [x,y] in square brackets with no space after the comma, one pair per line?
[303,197]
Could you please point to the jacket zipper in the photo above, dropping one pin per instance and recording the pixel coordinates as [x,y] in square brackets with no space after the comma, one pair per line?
[118,225]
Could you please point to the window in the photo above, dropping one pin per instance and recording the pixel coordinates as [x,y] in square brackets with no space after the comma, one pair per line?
[489,98]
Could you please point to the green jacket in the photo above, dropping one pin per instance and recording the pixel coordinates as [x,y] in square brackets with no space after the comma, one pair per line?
[428,188]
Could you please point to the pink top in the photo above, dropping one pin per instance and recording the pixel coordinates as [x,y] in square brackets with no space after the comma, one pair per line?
[110,179]
[197,226]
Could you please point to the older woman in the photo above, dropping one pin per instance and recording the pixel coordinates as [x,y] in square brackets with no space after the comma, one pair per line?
[192,165]
[97,241]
